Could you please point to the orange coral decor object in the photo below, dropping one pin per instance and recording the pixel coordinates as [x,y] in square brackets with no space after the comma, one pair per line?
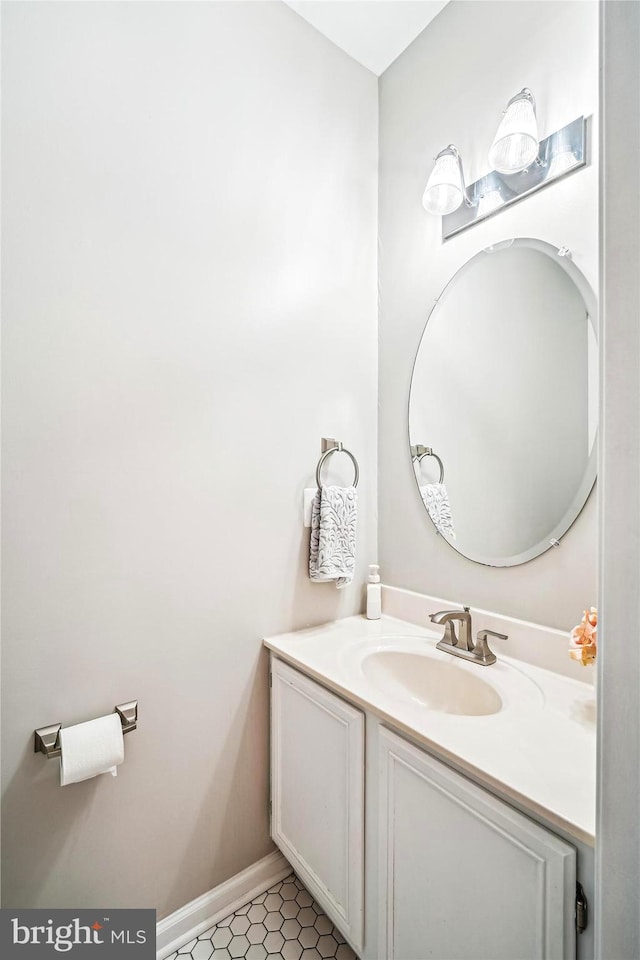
[584,638]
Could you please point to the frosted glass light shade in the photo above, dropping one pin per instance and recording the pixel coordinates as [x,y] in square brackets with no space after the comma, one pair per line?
[515,145]
[445,188]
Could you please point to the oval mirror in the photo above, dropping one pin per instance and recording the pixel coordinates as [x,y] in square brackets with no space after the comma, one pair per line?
[503,403]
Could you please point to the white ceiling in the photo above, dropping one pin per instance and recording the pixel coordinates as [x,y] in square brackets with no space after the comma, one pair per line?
[373,32]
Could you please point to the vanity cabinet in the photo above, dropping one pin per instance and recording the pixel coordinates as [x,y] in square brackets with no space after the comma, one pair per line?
[317,793]
[452,872]
[462,874]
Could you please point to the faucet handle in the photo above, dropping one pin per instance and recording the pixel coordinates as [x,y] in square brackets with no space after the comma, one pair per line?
[483,634]
[481,649]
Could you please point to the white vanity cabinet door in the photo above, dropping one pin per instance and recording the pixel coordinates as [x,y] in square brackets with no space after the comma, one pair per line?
[463,876]
[317,793]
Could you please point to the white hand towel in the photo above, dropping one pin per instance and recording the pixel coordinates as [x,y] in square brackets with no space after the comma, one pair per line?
[436,500]
[332,554]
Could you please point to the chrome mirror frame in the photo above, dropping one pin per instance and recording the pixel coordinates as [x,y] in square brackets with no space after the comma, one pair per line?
[561,255]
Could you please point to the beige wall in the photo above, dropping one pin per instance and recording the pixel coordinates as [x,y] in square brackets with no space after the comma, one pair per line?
[450,86]
[189,300]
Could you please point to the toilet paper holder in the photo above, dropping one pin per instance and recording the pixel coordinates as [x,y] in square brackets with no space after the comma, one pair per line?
[47,739]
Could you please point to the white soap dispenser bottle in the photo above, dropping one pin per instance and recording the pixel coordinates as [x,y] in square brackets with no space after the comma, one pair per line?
[374,593]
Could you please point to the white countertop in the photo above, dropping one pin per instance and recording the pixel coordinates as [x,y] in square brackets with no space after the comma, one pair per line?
[539,749]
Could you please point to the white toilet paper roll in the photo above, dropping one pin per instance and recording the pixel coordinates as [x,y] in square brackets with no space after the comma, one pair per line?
[91,748]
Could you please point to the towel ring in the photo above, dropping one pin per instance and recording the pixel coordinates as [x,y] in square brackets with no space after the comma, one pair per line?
[419,453]
[337,449]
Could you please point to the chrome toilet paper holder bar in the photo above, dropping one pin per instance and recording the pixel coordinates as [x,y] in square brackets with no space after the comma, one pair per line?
[47,739]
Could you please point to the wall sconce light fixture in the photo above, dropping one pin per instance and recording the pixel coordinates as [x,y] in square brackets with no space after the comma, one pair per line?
[445,190]
[515,145]
[520,163]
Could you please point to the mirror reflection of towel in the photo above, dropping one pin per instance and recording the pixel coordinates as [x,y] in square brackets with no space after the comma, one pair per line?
[436,500]
[332,554]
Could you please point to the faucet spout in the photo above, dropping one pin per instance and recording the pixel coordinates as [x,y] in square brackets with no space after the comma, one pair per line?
[443,616]
[463,639]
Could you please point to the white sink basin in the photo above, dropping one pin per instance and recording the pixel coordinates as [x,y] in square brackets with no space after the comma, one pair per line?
[407,670]
[442,685]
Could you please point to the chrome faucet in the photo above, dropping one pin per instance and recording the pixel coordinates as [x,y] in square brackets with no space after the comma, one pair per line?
[461,644]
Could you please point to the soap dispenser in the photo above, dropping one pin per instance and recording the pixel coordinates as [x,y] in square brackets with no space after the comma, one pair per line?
[374,593]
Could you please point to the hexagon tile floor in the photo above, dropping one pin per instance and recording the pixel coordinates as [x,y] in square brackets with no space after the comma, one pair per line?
[284,923]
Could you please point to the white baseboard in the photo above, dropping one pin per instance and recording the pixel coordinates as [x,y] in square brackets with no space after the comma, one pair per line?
[196,917]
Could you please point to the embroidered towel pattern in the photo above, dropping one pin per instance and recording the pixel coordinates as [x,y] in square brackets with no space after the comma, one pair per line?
[332,553]
[436,500]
